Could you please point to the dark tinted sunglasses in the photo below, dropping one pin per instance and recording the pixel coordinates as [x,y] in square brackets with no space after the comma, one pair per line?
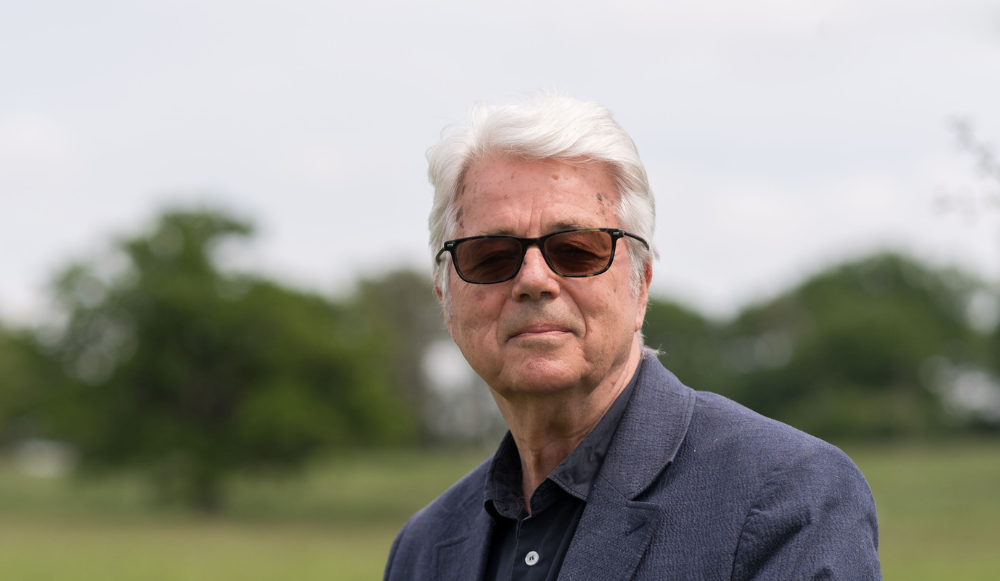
[579,252]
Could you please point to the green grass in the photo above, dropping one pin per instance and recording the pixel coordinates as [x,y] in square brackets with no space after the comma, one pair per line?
[938,508]
[333,522]
[939,512]
[189,549]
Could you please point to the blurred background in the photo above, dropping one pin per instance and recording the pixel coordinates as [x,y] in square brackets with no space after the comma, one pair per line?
[220,355]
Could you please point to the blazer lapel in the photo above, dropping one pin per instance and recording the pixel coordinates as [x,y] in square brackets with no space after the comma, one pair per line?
[463,558]
[611,538]
[616,528]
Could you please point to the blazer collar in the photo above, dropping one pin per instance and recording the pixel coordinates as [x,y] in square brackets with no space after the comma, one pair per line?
[651,431]
[616,529]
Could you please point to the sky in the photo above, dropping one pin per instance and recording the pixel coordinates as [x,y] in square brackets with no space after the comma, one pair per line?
[779,136]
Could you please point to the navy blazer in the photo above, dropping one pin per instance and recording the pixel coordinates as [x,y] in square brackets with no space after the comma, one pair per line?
[694,486]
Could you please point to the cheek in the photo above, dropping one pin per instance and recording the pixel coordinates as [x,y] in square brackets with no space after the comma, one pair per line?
[611,312]
[475,312]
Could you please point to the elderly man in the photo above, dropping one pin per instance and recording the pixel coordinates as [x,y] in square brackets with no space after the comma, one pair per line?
[542,229]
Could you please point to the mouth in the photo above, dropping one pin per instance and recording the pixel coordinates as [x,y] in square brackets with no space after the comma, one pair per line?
[539,330]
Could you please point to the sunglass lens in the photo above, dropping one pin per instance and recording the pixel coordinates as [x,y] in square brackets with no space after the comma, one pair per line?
[579,253]
[488,259]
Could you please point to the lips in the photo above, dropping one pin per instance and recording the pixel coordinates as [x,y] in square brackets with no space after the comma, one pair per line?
[537,323]
[538,330]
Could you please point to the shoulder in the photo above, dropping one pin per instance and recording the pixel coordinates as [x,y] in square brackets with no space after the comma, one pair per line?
[716,431]
[804,505]
[767,499]
[730,429]
[448,516]
[766,461]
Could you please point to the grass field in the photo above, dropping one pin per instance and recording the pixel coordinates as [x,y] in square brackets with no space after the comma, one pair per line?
[938,508]
[939,511]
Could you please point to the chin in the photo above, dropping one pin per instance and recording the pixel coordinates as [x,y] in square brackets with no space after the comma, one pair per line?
[544,372]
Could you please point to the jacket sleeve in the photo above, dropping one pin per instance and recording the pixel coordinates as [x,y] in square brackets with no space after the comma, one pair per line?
[814,518]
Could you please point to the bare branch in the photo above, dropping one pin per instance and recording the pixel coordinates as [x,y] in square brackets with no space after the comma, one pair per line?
[972,202]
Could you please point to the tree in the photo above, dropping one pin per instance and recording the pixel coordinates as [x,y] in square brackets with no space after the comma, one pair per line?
[403,310]
[848,353]
[24,375]
[854,351]
[193,374]
[689,345]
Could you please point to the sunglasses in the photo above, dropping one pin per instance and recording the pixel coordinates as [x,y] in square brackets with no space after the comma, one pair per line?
[579,252]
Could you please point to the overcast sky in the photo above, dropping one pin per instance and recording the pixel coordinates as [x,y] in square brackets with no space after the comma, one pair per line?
[779,136]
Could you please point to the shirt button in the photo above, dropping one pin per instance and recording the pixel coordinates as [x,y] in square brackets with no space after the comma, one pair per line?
[531,558]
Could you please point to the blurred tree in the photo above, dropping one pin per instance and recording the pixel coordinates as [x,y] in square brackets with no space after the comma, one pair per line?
[195,374]
[24,375]
[403,310]
[975,203]
[975,200]
[688,344]
[852,352]
[848,352]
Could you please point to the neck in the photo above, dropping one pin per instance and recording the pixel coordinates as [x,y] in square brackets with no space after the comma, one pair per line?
[548,427]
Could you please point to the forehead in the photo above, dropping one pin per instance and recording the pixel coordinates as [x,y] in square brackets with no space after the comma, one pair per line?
[534,197]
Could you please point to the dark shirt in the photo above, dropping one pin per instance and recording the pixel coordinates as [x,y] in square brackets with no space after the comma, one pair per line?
[531,548]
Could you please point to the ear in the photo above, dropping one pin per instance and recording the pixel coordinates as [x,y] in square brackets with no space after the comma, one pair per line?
[643,296]
[444,307]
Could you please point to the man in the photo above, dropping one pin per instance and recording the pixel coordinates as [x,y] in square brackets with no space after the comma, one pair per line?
[542,229]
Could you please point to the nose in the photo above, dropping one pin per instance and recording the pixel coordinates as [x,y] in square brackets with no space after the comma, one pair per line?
[535,279]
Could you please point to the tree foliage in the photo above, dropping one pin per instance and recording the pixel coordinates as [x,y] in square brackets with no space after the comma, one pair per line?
[400,307]
[24,376]
[852,352]
[196,374]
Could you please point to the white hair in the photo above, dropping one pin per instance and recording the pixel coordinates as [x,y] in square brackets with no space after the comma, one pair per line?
[547,127]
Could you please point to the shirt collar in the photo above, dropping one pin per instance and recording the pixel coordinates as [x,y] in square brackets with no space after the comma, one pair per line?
[575,474]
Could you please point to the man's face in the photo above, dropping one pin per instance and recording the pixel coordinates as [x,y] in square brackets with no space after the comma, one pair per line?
[541,332]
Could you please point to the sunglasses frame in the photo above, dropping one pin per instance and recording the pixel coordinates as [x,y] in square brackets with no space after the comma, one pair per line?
[616,234]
